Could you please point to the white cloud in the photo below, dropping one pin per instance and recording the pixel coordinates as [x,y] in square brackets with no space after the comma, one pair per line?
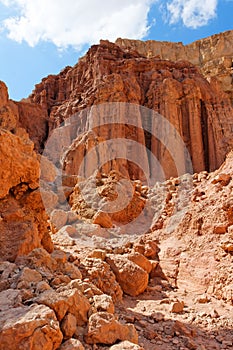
[193,13]
[76,22]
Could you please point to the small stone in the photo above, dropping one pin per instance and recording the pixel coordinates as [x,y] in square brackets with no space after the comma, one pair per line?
[220,229]
[58,218]
[157,316]
[150,334]
[203,299]
[103,219]
[42,286]
[214,314]
[30,276]
[98,254]
[68,326]
[177,307]
[224,179]
[103,303]
[72,344]
[59,256]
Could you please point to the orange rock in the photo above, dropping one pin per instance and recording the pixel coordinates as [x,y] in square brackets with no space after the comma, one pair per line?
[177,307]
[224,179]
[131,277]
[198,108]
[100,274]
[213,54]
[141,261]
[105,329]
[220,229]
[72,344]
[28,330]
[102,219]
[70,300]
[68,326]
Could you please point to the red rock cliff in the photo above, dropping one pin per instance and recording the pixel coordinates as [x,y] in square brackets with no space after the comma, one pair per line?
[214,55]
[200,110]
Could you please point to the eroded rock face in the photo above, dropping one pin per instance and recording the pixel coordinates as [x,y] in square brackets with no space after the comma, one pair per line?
[20,116]
[23,221]
[68,299]
[213,55]
[199,109]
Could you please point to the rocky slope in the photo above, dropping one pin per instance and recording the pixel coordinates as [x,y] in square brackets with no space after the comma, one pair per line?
[88,291]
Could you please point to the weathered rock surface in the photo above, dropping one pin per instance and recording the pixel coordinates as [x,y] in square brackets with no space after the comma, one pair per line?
[105,329]
[100,274]
[107,200]
[29,328]
[71,297]
[66,301]
[72,344]
[20,116]
[205,230]
[23,221]
[132,278]
[200,110]
[213,55]
[126,345]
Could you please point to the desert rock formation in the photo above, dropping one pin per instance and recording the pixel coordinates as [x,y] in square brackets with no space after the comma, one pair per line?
[214,55]
[23,221]
[199,110]
[100,260]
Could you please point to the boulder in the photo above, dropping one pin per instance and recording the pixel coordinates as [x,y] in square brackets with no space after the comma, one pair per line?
[105,329]
[131,277]
[72,344]
[32,328]
[100,274]
[70,300]
[103,302]
[126,345]
[68,325]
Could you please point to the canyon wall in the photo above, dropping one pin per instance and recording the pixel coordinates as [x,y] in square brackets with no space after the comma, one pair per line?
[214,55]
[199,110]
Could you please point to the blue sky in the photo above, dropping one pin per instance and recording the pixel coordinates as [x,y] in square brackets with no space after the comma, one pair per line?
[41,37]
